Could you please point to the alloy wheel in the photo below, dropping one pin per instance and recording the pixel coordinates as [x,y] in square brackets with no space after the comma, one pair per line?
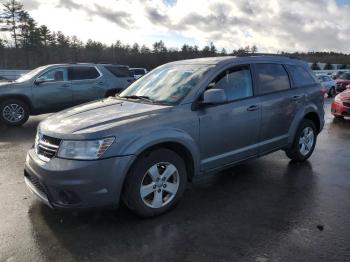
[159,185]
[13,113]
[306,140]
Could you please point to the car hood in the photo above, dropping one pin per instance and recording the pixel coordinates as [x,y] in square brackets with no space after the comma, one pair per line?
[5,84]
[345,94]
[92,116]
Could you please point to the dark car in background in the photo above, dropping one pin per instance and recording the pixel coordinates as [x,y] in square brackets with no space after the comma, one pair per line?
[55,87]
[138,72]
[343,82]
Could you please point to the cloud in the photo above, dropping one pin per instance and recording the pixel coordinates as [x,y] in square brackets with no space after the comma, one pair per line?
[30,4]
[120,18]
[70,5]
[272,25]
[156,17]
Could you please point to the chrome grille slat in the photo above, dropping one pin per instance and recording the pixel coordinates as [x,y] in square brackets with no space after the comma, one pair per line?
[46,147]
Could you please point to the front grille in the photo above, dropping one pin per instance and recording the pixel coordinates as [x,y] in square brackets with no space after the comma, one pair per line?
[347,104]
[46,147]
[35,182]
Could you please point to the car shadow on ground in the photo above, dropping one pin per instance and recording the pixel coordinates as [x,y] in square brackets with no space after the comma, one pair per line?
[222,216]
[19,134]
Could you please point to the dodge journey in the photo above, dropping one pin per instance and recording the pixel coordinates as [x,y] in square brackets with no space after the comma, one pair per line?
[180,121]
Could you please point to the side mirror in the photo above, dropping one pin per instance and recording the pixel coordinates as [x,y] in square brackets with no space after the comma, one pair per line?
[39,81]
[214,96]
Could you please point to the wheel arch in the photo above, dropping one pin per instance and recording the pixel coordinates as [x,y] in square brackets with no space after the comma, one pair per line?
[174,139]
[309,113]
[22,98]
[180,150]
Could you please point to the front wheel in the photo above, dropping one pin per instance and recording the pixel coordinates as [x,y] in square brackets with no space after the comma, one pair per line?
[14,112]
[304,142]
[155,183]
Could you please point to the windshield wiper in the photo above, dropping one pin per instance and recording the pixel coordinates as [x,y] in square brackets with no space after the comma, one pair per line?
[145,98]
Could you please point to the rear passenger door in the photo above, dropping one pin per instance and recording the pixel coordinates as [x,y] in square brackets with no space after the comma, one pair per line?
[279,102]
[86,84]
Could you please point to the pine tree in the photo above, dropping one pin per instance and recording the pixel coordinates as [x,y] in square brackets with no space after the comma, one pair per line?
[10,19]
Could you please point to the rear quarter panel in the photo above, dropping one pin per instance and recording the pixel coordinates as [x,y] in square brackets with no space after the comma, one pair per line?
[313,103]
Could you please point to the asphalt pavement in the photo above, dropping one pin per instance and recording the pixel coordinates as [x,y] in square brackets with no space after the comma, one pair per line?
[268,209]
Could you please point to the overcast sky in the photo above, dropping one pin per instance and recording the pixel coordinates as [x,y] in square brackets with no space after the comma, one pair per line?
[272,25]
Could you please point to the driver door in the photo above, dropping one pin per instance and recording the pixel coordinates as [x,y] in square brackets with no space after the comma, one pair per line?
[51,91]
[229,132]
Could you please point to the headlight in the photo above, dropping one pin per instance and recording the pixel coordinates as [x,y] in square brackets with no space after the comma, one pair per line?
[85,149]
[337,99]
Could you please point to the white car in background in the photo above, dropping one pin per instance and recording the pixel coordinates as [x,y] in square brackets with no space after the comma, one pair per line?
[138,72]
[328,84]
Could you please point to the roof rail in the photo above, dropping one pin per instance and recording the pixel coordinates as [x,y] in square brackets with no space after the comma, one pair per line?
[267,54]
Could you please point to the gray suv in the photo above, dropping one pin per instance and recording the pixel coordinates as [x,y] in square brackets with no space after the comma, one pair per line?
[182,120]
[55,87]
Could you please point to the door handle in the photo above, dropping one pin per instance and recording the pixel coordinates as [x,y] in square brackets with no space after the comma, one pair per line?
[297,97]
[253,108]
[101,83]
[65,85]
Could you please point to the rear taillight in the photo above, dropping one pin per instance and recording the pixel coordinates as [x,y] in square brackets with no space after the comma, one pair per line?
[348,86]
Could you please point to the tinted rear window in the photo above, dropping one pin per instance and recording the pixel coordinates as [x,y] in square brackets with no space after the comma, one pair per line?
[301,76]
[119,71]
[271,78]
[139,71]
[82,73]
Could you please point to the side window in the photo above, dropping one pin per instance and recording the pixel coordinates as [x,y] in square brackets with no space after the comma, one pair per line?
[82,73]
[120,71]
[54,75]
[236,81]
[301,76]
[271,78]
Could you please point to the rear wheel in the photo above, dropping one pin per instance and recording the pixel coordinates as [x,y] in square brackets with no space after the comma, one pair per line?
[155,183]
[14,112]
[304,142]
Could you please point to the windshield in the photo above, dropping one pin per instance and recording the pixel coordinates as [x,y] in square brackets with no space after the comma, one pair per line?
[167,84]
[30,74]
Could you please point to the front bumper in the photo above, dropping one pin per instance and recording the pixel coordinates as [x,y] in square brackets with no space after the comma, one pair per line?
[338,109]
[73,184]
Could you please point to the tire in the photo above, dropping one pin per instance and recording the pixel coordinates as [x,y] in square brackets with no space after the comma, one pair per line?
[17,107]
[145,173]
[332,92]
[298,152]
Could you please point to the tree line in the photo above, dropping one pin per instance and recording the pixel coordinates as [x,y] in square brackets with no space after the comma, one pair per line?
[32,45]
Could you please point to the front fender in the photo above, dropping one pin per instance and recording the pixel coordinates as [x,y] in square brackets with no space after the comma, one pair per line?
[142,143]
